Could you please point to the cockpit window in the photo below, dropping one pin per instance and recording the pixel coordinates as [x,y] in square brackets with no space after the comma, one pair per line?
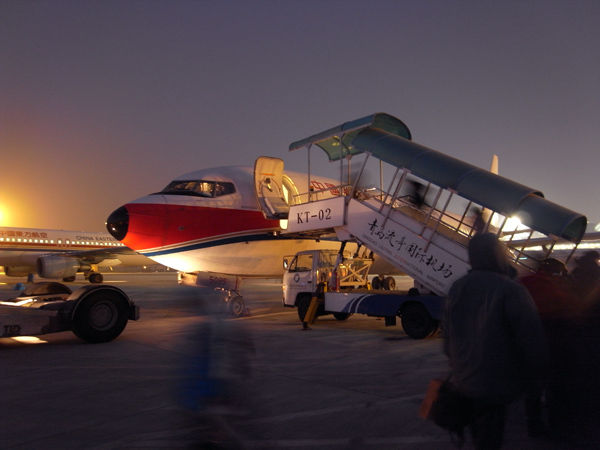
[199,188]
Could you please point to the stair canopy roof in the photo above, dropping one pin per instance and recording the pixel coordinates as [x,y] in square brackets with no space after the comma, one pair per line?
[336,141]
[388,139]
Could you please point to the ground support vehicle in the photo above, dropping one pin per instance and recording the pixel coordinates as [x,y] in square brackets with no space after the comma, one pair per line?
[320,282]
[94,313]
[421,223]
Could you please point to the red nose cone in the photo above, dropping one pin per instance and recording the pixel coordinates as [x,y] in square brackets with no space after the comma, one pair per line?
[139,226]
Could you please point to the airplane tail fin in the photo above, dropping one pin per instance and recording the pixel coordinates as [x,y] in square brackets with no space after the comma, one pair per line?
[494,166]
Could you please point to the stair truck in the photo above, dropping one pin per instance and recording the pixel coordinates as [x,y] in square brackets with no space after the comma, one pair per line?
[427,240]
[320,282]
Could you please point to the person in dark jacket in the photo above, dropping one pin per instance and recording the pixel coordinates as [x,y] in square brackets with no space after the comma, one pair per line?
[586,275]
[551,290]
[493,339]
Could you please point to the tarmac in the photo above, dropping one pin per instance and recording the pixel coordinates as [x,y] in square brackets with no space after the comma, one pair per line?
[354,384]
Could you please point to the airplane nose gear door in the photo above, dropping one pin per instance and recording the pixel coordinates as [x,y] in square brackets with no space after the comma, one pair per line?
[268,184]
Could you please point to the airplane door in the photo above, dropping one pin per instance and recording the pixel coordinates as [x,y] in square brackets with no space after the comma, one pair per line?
[269,188]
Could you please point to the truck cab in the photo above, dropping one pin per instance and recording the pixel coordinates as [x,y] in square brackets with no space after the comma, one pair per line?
[313,285]
[309,271]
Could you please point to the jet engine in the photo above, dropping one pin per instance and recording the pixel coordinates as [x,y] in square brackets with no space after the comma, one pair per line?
[56,266]
[16,271]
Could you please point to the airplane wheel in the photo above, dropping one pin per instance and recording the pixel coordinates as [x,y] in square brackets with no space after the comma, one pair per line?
[417,322]
[236,306]
[100,317]
[69,279]
[95,278]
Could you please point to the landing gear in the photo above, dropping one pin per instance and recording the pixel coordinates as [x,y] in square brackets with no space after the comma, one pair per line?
[236,307]
[94,277]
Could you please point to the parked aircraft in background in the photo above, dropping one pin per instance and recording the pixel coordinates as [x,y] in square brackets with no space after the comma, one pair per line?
[62,254]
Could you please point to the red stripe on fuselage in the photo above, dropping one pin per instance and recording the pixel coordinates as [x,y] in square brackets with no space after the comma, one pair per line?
[153,225]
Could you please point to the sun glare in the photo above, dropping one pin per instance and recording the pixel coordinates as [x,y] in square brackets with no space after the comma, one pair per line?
[3,216]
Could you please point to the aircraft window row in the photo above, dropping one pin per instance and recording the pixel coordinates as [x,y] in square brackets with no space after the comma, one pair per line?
[68,242]
[200,188]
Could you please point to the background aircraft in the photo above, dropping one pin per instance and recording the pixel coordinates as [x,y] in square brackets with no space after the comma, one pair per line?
[62,254]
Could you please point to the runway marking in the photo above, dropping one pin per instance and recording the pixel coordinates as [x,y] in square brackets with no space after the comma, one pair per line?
[263,315]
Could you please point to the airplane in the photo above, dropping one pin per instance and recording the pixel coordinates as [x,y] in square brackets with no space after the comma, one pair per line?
[62,254]
[217,226]
[220,225]
[209,225]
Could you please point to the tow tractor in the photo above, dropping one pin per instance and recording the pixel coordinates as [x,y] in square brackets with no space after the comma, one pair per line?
[320,282]
[94,313]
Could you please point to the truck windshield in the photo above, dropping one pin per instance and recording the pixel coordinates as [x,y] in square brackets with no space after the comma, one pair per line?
[302,263]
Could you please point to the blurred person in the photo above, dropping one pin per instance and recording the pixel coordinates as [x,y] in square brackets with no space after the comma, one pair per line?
[214,378]
[478,221]
[493,338]
[417,196]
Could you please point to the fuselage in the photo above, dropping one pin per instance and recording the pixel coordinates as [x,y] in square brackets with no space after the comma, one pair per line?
[21,247]
[211,221]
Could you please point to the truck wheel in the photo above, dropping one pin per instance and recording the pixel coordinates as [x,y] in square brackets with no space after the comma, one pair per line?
[376,283]
[417,322]
[236,306]
[100,317]
[389,284]
[341,316]
[303,303]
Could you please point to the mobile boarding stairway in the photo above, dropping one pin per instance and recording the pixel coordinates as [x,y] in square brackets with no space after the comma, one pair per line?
[427,240]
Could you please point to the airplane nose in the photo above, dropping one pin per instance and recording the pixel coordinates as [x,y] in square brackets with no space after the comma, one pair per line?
[118,223]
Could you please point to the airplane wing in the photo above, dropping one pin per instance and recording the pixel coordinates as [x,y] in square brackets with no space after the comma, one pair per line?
[97,256]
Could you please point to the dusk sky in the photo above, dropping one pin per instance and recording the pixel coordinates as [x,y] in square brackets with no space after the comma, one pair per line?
[104,101]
